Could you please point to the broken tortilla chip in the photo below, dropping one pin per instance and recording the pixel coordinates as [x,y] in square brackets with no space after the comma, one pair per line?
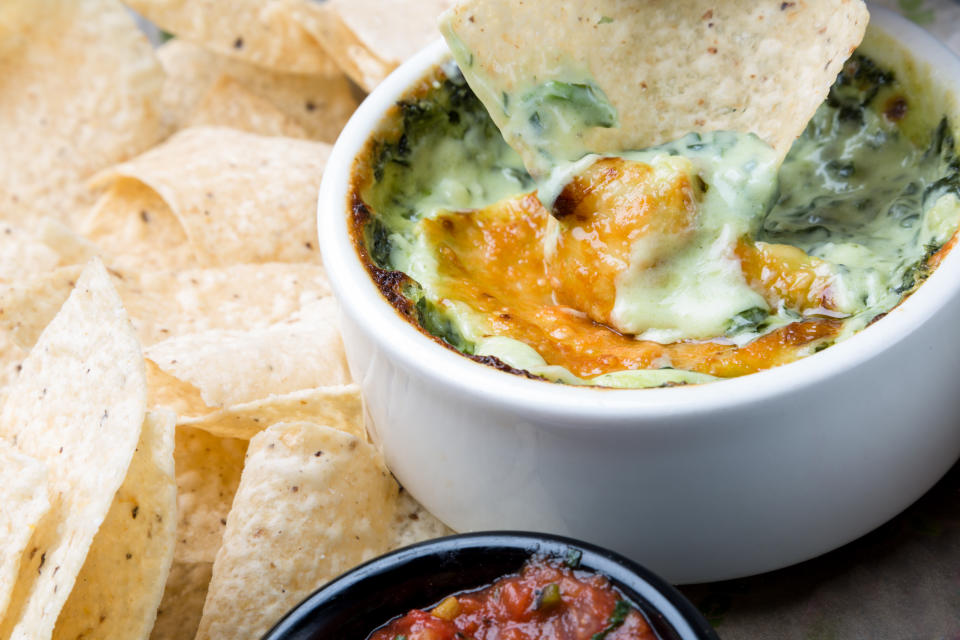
[312,503]
[229,104]
[321,103]
[370,38]
[233,367]
[609,76]
[24,502]
[240,197]
[67,116]
[119,588]
[78,406]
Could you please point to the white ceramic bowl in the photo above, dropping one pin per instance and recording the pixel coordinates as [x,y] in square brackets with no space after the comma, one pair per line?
[698,483]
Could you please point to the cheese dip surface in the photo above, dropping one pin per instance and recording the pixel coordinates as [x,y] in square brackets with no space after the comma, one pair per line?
[683,263]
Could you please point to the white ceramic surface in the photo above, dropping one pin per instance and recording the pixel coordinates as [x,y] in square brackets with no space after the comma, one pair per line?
[698,483]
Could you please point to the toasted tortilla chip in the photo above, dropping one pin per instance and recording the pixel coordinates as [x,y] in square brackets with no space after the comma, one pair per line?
[78,405]
[643,73]
[228,104]
[312,503]
[80,91]
[240,197]
[134,229]
[320,103]
[208,473]
[119,588]
[339,407]
[23,501]
[233,367]
[182,605]
[369,38]
[263,32]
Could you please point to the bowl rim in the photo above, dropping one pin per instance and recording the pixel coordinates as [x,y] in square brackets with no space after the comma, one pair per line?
[363,304]
[622,572]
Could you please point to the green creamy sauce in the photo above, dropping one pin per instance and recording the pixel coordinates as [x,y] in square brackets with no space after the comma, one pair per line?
[692,291]
[853,191]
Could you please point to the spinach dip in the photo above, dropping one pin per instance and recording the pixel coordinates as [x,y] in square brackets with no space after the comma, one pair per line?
[715,261]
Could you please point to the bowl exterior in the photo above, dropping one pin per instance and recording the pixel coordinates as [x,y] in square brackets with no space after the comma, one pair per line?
[697,483]
[720,495]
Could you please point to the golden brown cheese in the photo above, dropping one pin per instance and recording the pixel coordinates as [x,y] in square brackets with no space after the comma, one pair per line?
[551,285]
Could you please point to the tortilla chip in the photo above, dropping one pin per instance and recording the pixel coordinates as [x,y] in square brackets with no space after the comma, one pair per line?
[134,229]
[182,605]
[369,38]
[71,247]
[48,246]
[119,588]
[22,254]
[208,473]
[412,523]
[167,392]
[320,103]
[26,309]
[233,367]
[665,68]
[23,501]
[165,304]
[339,407]
[263,32]
[80,91]
[78,406]
[11,359]
[240,197]
[312,503]
[228,104]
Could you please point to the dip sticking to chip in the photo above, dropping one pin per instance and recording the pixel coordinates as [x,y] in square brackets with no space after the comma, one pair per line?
[561,79]
[693,259]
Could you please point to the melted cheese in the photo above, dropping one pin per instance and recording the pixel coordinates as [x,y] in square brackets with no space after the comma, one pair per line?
[548,285]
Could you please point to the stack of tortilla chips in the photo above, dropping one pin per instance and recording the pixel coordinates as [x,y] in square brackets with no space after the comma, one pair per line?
[182,448]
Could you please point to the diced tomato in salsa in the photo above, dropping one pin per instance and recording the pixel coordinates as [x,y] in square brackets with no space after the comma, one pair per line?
[547,600]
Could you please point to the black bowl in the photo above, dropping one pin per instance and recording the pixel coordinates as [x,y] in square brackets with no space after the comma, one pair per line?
[352,606]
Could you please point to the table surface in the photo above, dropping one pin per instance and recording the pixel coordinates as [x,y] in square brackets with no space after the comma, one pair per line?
[900,582]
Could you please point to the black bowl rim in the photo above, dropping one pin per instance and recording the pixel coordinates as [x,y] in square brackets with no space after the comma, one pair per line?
[623,573]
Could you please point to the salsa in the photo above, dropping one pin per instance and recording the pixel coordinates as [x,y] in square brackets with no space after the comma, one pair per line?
[546,600]
[688,262]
